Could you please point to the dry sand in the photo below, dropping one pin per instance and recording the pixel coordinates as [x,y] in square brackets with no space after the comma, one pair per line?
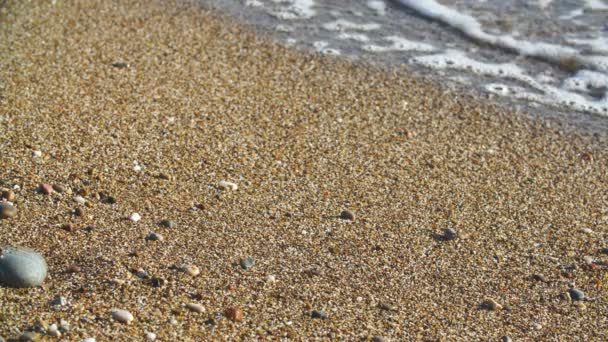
[304,137]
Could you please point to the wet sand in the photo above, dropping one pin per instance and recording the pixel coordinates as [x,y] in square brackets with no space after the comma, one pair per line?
[194,99]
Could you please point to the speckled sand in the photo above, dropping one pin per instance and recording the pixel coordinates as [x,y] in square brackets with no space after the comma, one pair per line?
[304,137]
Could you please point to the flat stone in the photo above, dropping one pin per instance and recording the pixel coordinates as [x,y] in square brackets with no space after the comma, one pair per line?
[576,294]
[225,185]
[168,224]
[246,262]
[320,314]
[347,215]
[134,217]
[194,307]
[21,267]
[154,237]
[122,316]
[191,270]
[150,336]
[59,300]
[450,234]
[7,210]
[46,189]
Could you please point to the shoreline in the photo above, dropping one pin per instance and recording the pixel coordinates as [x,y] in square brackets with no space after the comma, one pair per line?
[158,104]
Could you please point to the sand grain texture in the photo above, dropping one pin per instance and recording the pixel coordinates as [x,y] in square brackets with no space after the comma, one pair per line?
[196,99]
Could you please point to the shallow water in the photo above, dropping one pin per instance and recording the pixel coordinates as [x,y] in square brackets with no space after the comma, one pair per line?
[546,57]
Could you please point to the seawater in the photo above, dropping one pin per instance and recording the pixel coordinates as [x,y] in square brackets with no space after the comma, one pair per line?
[547,57]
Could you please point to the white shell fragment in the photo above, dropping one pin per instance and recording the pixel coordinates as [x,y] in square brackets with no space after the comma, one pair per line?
[225,185]
[134,217]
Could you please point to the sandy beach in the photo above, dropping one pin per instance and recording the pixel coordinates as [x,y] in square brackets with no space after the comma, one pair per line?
[145,107]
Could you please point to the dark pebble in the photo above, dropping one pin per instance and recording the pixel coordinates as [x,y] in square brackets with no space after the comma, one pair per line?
[378,339]
[46,189]
[8,195]
[246,262]
[157,282]
[168,224]
[505,339]
[604,250]
[576,294]
[347,215]
[450,234]
[59,188]
[79,212]
[318,314]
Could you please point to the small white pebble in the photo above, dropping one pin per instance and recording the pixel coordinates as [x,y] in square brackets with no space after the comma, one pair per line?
[136,168]
[228,185]
[173,321]
[53,330]
[587,231]
[89,339]
[191,270]
[16,187]
[134,217]
[271,278]
[588,260]
[79,199]
[37,153]
[150,336]
[122,316]
[195,307]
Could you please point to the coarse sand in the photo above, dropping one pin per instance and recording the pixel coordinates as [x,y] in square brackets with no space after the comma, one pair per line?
[146,106]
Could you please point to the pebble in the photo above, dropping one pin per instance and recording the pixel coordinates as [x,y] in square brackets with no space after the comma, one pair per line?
[378,339]
[587,231]
[234,313]
[450,234]
[64,325]
[29,336]
[318,314]
[271,278]
[168,224]
[37,153]
[53,330]
[150,336]
[59,188]
[59,300]
[8,195]
[191,270]
[134,217]
[347,215]
[46,189]
[154,237]
[157,282]
[79,200]
[122,316]
[79,212]
[246,262]
[7,210]
[195,307]
[491,305]
[89,339]
[576,294]
[225,185]
[505,338]
[21,267]
[604,250]
[136,168]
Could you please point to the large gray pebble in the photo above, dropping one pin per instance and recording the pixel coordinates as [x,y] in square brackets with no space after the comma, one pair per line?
[21,267]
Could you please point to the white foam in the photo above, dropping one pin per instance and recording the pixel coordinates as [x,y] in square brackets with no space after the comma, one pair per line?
[360,37]
[573,14]
[294,9]
[399,44]
[377,5]
[469,26]
[543,92]
[544,3]
[342,25]
[253,3]
[596,45]
[596,5]
[322,47]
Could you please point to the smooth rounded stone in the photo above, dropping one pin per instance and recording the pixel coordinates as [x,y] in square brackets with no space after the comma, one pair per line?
[194,307]
[191,270]
[450,234]
[234,313]
[505,338]
[79,200]
[378,339]
[7,210]
[225,185]
[29,336]
[89,339]
[79,212]
[59,188]
[347,215]
[59,300]
[122,316]
[8,195]
[21,267]
[168,224]
[46,189]
[53,330]
[154,237]
[150,336]
[271,278]
[134,217]
[604,250]
[37,153]
[576,294]
[320,314]
[246,263]
[491,304]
